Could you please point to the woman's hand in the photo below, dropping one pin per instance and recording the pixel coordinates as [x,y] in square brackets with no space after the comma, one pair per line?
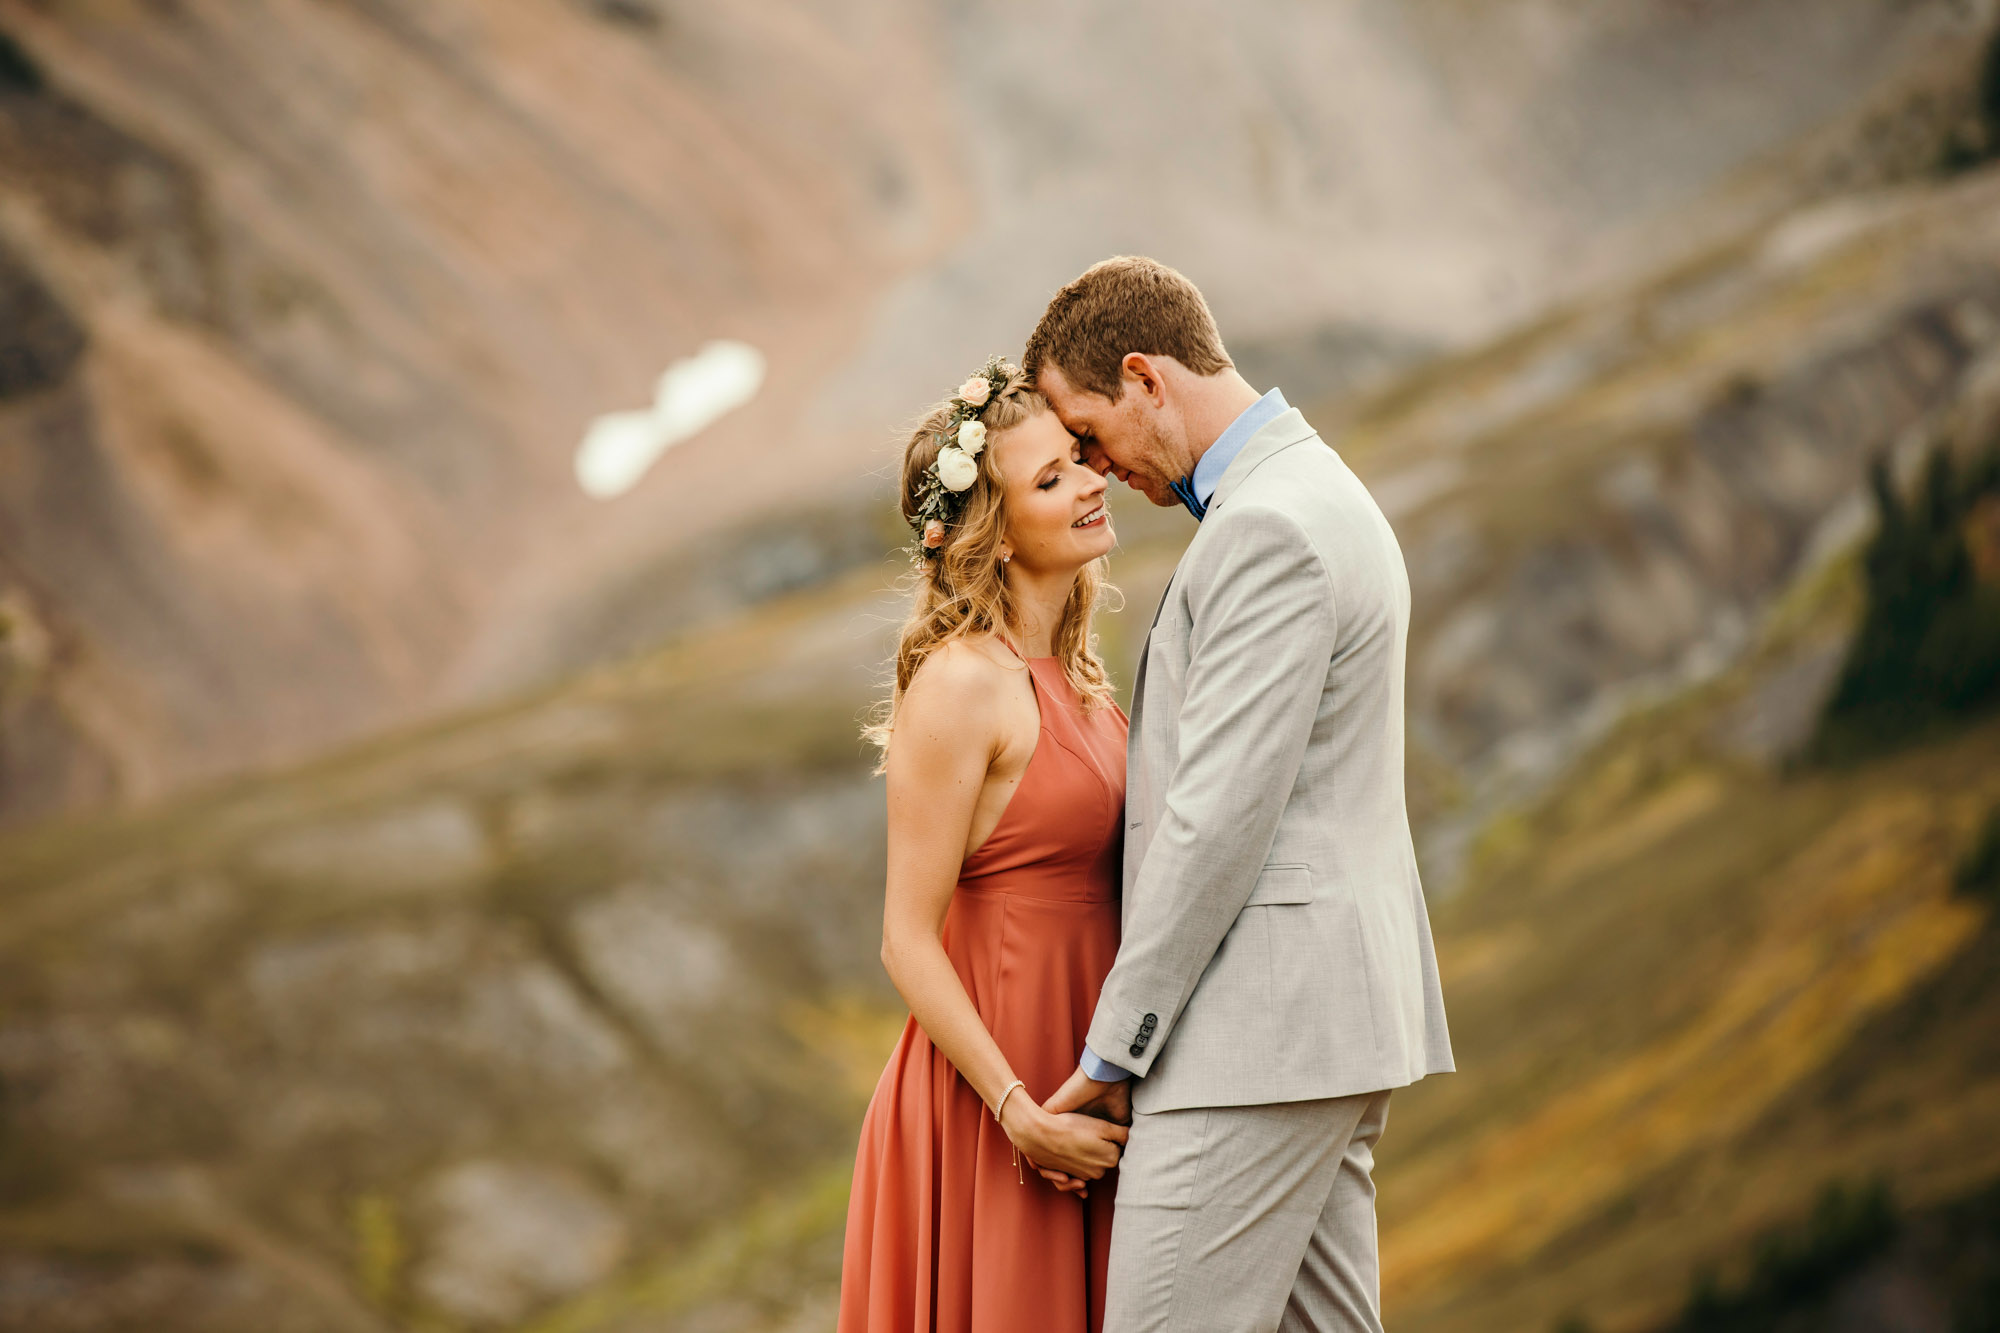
[1106,1101]
[1079,1146]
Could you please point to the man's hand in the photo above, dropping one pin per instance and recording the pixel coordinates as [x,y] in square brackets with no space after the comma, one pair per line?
[1106,1101]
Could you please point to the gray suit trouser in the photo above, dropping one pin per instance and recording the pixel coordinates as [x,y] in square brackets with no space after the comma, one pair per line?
[1249,1219]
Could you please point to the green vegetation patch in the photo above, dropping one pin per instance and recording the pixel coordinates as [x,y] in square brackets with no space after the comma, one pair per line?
[1797,1269]
[1802,1277]
[18,70]
[1977,141]
[1979,873]
[1928,650]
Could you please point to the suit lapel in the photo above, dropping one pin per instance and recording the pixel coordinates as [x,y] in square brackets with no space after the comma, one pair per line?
[1280,432]
[1164,593]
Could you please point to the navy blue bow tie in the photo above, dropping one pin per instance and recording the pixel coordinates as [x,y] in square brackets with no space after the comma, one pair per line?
[1184,492]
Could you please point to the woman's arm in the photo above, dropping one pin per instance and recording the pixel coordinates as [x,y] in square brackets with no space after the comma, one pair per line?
[950,727]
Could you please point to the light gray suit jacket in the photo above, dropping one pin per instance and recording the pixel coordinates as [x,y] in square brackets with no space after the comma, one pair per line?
[1276,945]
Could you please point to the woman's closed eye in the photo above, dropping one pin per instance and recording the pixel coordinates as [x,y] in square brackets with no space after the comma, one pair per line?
[1076,458]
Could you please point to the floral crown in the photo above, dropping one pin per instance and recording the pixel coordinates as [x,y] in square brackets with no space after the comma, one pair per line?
[941,496]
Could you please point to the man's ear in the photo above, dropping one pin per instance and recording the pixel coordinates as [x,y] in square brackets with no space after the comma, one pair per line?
[1144,372]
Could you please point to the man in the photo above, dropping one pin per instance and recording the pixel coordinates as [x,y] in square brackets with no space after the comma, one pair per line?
[1275,978]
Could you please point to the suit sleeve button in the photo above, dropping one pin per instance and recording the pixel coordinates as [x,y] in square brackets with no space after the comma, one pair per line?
[1137,1049]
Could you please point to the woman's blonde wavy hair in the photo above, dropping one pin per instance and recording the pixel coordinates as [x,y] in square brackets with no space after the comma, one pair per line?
[960,589]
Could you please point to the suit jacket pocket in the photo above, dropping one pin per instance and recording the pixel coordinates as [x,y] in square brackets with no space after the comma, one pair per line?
[1288,883]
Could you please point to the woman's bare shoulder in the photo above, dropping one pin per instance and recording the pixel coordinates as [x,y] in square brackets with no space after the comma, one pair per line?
[969,672]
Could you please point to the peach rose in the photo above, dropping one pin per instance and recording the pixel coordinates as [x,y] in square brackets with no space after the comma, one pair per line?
[976,390]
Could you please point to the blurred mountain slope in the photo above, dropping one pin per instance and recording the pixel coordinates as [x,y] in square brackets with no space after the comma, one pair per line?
[592,977]
[457,1024]
[1694,991]
[560,1013]
[328,291]
[1599,509]
[352,279]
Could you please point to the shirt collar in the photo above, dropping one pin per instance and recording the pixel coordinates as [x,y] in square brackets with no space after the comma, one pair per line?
[1195,491]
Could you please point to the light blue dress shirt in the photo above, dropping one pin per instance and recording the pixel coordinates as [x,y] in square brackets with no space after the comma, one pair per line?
[1195,492]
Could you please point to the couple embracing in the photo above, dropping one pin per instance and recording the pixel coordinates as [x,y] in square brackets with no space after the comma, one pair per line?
[1163,971]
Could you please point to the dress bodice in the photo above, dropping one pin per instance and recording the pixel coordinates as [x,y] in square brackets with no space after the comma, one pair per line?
[1062,833]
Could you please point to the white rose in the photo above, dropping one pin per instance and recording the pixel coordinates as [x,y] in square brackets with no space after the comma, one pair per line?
[956,469]
[976,390]
[972,437]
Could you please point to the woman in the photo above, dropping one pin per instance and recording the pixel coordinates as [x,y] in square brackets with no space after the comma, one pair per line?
[1005,757]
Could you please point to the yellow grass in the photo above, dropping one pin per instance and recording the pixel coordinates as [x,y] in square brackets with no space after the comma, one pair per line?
[1647,969]
[1823,962]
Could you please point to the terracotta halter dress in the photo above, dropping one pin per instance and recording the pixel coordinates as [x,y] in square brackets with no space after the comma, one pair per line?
[942,1235]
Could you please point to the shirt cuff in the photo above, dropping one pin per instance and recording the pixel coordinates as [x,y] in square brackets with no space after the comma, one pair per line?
[1101,1070]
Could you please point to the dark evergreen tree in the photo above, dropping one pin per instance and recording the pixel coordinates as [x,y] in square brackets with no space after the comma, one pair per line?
[1794,1272]
[1979,872]
[18,69]
[1976,142]
[1928,648]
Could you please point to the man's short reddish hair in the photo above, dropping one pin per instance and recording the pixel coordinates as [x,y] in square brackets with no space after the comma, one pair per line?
[1119,306]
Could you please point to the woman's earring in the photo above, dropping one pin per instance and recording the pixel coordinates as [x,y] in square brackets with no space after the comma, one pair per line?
[1006,556]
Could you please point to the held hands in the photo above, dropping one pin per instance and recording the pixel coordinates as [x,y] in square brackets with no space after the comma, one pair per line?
[1109,1103]
[1069,1149]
